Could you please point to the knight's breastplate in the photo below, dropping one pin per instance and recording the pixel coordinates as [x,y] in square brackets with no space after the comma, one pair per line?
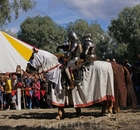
[75,54]
[75,50]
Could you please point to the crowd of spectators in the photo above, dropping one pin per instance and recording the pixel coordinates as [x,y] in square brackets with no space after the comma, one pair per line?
[33,90]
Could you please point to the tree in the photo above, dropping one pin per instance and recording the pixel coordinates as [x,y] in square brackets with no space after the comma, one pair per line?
[9,9]
[125,30]
[41,32]
[104,48]
[10,33]
[80,27]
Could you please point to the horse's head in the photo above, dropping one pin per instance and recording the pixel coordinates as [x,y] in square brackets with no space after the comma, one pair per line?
[32,56]
[30,68]
[41,61]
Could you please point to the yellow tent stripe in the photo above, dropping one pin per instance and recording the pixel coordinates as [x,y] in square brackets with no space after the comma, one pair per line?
[24,51]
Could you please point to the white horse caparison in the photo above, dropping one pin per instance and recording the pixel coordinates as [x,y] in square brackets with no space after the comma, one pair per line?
[97,84]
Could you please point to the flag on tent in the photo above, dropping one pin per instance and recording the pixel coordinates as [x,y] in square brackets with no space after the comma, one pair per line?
[13,52]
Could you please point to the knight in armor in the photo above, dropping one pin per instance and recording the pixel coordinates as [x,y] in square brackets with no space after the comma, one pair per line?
[73,51]
[88,46]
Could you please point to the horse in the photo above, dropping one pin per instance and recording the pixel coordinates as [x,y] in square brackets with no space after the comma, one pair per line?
[96,86]
[123,88]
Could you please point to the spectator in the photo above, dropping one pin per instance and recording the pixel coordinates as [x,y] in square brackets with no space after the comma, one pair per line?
[3,85]
[137,62]
[113,60]
[136,77]
[14,97]
[108,60]
[1,93]
[28,88]
[19,72]
[19,84]
[127,65]
[8,87]
[36,93]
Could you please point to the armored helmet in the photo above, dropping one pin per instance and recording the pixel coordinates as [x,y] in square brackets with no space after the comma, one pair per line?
[72,36]
[87,37]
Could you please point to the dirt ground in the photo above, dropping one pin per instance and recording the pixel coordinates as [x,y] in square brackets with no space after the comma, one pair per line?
[44,119]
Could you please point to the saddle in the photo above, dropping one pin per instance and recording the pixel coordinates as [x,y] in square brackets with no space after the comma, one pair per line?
[77,72]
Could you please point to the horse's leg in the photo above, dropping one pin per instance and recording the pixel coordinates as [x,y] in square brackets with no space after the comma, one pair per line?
[104,107]
[110,107]
[60,113]
[78,111]
[118,109]
[105,104]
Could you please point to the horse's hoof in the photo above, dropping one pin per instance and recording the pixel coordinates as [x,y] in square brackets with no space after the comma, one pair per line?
[110,110]
[78,115]
[58,117]
[103,114]
[114,112]
[108,114]
[78,112]
[99,115]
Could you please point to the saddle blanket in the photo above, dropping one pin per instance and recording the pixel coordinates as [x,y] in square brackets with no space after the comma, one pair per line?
[97,85]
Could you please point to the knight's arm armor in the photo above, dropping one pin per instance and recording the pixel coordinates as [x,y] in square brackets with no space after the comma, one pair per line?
[88,48]
[74,47]
[73,50]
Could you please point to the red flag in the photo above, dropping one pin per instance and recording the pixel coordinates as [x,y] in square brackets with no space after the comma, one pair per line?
[43,92]
[13,92]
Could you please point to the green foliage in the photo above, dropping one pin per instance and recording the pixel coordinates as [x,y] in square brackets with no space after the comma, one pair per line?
[44,33]
[82,27]
[125,30]
[10,33]
[121,41]
[104,47]
[9,9]
[41,32]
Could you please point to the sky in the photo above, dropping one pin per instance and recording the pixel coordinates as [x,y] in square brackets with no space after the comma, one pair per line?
[65,11]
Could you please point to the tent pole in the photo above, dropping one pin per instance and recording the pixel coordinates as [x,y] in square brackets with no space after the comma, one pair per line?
[23,93]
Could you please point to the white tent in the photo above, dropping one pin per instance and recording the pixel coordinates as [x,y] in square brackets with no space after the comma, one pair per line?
[13,52]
